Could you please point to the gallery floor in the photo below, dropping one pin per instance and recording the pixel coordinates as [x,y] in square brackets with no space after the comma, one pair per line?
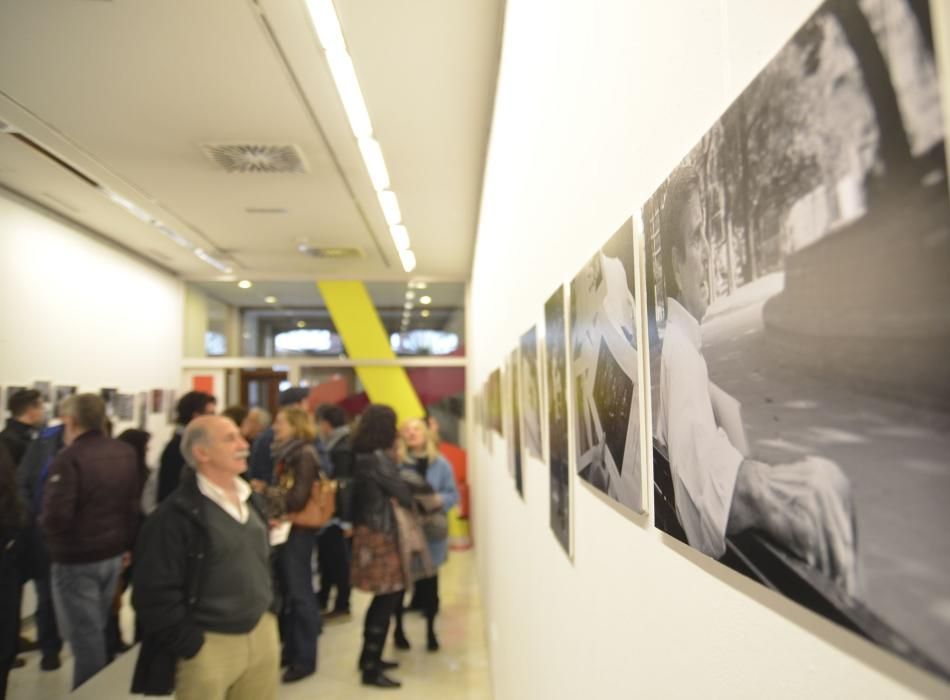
[460,670]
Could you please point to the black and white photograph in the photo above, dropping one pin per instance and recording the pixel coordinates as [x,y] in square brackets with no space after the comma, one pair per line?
[515,457]
[108,396]
[555,371]
[45,389]
[124,407]
[495,417]
[530,393]
[798,287]
[142,407]
[158,400]
[171,405]
[60,392]
[605,368]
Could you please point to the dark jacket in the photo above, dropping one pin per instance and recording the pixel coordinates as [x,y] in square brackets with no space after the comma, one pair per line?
[31,475]
[170,467]
[16,437]
[296,469]
[376,479]
[260,465]
[167,584]
[341,458]
[90,500]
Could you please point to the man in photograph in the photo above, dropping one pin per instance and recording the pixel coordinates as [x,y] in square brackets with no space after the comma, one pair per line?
[805,506]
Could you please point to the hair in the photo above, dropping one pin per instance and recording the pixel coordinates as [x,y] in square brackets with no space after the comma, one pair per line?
[262,413]
[236,413]
[332,414]
[301,422]
[191,404]
[22,401]
[376,429]
[88,410]
[682,184]
[195,434]
[431,449]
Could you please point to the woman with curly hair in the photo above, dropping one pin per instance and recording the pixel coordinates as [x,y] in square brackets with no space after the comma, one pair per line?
[296,468]
[376,565]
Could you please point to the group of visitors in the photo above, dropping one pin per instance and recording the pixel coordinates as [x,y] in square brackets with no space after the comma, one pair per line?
[220,560]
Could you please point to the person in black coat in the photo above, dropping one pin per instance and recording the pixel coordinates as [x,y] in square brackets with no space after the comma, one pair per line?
[12,522]
[27,415]
[377,567]
[190,406]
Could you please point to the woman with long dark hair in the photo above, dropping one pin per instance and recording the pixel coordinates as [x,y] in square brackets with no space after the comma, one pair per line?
[296,468]
[376,565]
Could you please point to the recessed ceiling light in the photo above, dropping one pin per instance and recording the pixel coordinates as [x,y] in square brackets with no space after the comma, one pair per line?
[301,324]
[410,294]
[408,305]
[245,284]
[425,299]
[420,285]
[426,313]
[270,300]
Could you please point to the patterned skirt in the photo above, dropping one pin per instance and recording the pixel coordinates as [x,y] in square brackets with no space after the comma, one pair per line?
[376,566]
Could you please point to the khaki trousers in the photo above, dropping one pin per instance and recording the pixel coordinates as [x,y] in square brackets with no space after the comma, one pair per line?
[233,666]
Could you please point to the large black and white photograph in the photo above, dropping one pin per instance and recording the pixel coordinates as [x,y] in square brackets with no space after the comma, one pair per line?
[530,394]
[798,288]
[515,456]
[605,368]
[555,374]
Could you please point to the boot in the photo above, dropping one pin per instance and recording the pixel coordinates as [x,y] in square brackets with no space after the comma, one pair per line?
[432,643]
[400,636]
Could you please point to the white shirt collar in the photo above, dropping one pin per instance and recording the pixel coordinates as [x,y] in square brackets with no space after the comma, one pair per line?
[683,319]
[217,494]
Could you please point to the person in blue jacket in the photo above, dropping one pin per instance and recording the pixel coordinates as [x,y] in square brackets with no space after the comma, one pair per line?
[421,454]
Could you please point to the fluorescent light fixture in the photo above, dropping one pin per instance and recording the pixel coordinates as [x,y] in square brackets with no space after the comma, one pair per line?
[324,19]
[400,235]
[213,261]
[270,300]
[425,299]
[426,313]
[174,235]
[344,75]
[245,284]
[408,259]
[133,209]
[375,165]
[390,206]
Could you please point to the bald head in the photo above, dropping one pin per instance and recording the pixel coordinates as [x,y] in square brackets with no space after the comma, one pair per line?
[214,443]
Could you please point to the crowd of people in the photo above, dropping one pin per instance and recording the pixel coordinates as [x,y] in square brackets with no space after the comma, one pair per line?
[218,542]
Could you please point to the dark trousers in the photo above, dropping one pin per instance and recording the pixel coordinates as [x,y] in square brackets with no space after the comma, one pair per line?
[333,550]
[47,631]
[426,593]
[10,591]
[375,629]
[299,615]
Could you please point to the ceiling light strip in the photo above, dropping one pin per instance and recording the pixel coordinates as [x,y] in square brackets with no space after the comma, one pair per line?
[325,21]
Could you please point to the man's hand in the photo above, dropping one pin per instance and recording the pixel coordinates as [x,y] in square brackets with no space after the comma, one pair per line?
[807,508]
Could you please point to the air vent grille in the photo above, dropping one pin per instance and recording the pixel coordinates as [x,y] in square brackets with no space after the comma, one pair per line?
[334,253]
[256,158]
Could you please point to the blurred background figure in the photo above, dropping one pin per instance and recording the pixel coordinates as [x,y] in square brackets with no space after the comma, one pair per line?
[260,466]
[236,412]
[190,406]
[12,555]
[419,454]
[255,422]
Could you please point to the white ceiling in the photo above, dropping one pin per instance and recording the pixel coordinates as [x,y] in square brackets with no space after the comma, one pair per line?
[126,91]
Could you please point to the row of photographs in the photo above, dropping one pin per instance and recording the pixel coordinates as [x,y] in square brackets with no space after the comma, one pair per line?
[120,407]
[767,337]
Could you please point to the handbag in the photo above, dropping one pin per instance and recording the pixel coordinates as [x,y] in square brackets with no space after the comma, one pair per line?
[435,524]
[320,507]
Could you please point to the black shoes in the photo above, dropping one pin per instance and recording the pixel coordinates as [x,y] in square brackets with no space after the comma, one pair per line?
[379,679]
[400,639]
[50,662]
[24,645]
[432,644]
[294,674]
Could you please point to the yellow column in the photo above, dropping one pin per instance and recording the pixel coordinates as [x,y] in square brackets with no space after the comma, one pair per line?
[364,338]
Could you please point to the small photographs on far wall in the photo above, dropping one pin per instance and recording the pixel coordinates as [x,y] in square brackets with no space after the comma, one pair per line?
[555,367]
[530,381]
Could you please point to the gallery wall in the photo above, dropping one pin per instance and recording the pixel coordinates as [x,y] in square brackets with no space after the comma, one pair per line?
[596,104]
[79,311]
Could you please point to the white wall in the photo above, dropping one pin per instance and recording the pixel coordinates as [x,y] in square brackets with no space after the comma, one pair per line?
[78,311]
[596,103]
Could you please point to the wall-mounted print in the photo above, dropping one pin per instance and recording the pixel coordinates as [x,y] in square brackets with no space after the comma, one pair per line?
[45,389]
[108,396]
[171,405]
[157,403]
[798,294]
[495,416]
[605,364]
[515,456]
[124,407]
[141,402]
[555,369]
[530,393]
[61,392]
